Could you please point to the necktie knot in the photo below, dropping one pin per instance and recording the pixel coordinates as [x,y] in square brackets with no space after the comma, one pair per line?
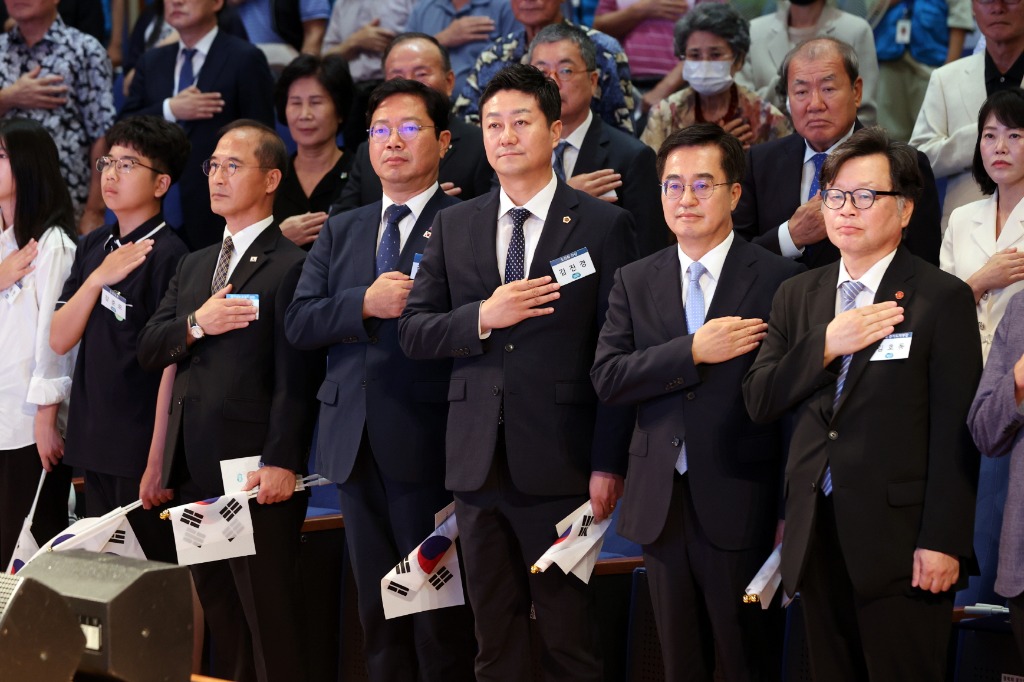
[849,291]
[818,160]
[188,53]
[519,216]
[395,212]
[695,271]
[390,247]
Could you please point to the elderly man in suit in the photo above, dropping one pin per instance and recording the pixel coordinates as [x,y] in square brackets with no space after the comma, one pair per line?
[780,208]
[527,442]
[382,416]
[203,82]
[241,390]
[877,357]
[592,156]
[703,484]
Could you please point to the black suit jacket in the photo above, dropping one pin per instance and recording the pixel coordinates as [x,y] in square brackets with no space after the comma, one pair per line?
[644,358]
[465,164]
[771,194]
[239,72]
[537,371]
[607,147]
[242,393]
[403,404]
[904,468]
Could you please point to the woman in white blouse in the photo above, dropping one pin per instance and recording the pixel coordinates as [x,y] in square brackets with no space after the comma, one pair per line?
[37,247]
[984,246]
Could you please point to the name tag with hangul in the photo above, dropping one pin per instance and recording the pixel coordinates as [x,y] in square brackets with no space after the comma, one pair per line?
[415,265]
[903,32]
[894,347]
[573,266]
[10,294]
[255,298]
[114,302]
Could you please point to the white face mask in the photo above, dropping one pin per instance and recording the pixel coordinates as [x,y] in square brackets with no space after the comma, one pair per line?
[708,78]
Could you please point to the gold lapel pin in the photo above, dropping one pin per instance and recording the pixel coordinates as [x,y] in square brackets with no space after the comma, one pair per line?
[566,220]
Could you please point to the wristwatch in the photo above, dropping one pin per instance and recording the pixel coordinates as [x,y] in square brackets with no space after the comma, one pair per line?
[193,327]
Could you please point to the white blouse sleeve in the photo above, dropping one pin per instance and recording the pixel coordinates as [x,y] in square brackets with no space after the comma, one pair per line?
[51,373]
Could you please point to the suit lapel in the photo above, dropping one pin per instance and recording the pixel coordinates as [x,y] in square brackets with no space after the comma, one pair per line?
[778,45]
[254,257]
[594,150]
[362,241]
[207,263]
[666,288]
[483,237]
[560,223]
[820,307]
[736,279]
[417,240]
[213,65]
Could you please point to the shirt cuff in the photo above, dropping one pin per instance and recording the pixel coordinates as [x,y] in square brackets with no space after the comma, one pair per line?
[479,327]
[786,246]
[168,116]
[48,391]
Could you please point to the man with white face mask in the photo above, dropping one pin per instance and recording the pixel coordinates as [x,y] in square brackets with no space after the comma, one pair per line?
[713,41]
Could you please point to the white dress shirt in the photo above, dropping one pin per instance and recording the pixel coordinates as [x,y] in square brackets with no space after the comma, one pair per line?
[713,262]
[202,48]
[870,279]
[538,207]
[242,240]
[405,225]
[572,150]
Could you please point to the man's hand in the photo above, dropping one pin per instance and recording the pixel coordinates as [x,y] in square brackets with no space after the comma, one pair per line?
[725,338]
[48,438]
[466,30]
[370,39]
[303,229]
[220,315]
[18,264]
[1000,271]
[33,91]
[514,302]
[670,10]
[192,105]
[605,491]
[385,298]
[597,183]
[450,189]
[120,263]
[934,572]
[276,484]
[857,329]
[151,492]
[807,226]
[739,129]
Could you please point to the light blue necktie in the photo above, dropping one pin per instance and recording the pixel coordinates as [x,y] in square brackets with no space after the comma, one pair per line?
[557,161]
[186,77]
[819,161]
[848,292]
[515,259]
[391,240]
[694,320]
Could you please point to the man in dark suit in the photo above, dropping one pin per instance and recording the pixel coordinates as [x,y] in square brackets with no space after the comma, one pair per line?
[877,356]
[592,156]
[703,485]
[204,82]
[241,390]
[382,416]
[527,442]
[780,208]
[464,171]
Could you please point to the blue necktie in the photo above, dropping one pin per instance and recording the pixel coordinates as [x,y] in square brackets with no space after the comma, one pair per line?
[819,161]
[557,162]
[186,77]
[515,260]
[694,320]
[391,241]
[848,292]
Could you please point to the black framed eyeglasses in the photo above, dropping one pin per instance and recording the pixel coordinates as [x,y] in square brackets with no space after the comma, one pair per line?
[862,198]
[123,166]
[702,189]
[406,131]
[211,167]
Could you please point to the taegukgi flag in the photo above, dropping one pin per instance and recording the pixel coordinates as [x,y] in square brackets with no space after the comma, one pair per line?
[428,578]
[578,546]
[214,529]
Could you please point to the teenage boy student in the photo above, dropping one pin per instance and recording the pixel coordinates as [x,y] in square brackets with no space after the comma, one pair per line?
[115,431]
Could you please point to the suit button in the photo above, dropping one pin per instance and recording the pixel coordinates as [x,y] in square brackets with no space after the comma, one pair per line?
[363,383]
[676,442]
[691,395]
[833,435]
[495,390]
[509,347]
[373,339]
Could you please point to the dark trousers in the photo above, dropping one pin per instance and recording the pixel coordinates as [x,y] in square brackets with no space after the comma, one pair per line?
[854,637]
[696,591]
[503,531]
[19,478]
[105,492]
[385,519]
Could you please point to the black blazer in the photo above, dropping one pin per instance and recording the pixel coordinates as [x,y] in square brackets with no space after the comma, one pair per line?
[644,358]
[607,147]
[555,432]
[771,193]
[403,404]
[242,393]
[904,468]
[239,72]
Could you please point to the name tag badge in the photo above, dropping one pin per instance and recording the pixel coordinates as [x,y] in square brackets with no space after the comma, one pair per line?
[234,472]
[573,266]
[415,265]
[114,302]
[893,347]
[903,32]
[10,294]
[255,298]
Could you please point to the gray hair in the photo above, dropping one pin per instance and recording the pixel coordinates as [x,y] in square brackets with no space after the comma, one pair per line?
[720,20]
[816,48]
[556,33]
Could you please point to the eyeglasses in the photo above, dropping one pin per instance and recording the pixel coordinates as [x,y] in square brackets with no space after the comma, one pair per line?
[122,166]
[702,189]
[406,131]
[210,167]
[862,198]
[563,74]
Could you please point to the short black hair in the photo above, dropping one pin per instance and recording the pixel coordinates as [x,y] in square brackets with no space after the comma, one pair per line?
[330,71]
[436,102]
[270,151]
[734,161]
[1008,108]
[446,60]
[904,173]
[529,80]
[164,143]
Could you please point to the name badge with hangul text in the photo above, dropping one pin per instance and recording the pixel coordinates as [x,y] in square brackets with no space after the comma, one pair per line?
[894,347]
[903,32]
[114,302]
[10,294]
[255,298]
[573,266]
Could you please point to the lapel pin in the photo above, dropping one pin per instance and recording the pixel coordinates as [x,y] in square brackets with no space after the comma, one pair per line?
[566,220]
[899,295]
[426,235]
[252,259]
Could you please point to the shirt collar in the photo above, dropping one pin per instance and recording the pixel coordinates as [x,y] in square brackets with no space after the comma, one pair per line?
[576,137]
[1011,79]
[713,260]
[8,241]
[115,241]
[244,238]
[871,279]
[57,29]
[202,45]
[416,204]
[809,152]
[538,204]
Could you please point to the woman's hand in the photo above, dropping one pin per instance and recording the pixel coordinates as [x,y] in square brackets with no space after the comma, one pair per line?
[18,264]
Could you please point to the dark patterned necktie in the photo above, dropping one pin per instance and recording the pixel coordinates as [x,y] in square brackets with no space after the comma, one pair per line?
[391,240]
[220,274]
[515,260]
[186,77]
[558,162]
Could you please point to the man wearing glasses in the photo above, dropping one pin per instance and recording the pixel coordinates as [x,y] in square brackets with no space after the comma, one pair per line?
[702,492]
[241,390]
[877,358]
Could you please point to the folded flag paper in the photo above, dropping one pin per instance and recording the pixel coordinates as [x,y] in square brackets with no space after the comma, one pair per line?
[578,546]
[764,585]
[26,546]
[108,534]
[428,578]
[214,529]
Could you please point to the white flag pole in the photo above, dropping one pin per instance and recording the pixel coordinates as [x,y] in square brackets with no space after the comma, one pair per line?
[27,525]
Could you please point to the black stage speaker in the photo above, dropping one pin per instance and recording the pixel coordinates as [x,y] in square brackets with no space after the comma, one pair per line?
[136,615]
[39,635]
